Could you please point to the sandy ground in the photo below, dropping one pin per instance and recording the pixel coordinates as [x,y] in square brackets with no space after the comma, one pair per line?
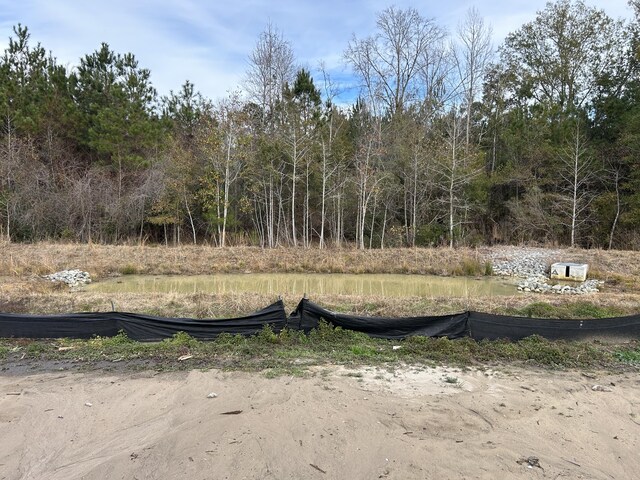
[425,423]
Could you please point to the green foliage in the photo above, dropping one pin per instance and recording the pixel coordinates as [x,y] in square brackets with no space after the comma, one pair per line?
[471,267]
[577,310]
[629,355]
[120,339]
[37,349]
[539,310]
[181,339]
[366,351]
[289,353]
[129,270]
[126,165]
[267,335]
[327,335]
[488,268]
[26,89]
[229,340]
[589,310]
[431,235]
[115,98]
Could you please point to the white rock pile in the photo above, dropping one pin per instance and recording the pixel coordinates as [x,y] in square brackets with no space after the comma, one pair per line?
[521,262]
[539,284]
[73,278]
[531,265]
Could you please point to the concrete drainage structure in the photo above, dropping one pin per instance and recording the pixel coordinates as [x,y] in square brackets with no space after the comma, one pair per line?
[576,272]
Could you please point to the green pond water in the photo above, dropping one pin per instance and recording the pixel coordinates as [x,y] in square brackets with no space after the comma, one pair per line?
[387,285]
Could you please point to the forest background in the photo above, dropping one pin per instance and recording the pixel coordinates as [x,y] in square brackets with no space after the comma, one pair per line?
[449,142]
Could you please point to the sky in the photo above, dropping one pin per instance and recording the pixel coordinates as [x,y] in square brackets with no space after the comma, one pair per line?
[209,41]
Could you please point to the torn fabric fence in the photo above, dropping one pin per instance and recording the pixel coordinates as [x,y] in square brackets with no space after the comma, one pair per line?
[143,328]
[306,317]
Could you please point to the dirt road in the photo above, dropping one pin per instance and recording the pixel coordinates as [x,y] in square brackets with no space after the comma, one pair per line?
[426,423]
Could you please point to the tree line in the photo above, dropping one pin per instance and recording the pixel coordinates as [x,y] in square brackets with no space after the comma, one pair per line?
[448,141]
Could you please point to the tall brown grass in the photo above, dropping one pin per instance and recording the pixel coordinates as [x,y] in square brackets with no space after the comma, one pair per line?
[52,300]
[22,291]
[105,260]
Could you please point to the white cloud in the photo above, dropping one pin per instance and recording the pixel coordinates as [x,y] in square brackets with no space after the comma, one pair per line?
[208,42]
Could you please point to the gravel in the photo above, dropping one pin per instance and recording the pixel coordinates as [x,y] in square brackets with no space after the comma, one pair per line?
[540,285]
[531,265]
[522,262]
[73,278]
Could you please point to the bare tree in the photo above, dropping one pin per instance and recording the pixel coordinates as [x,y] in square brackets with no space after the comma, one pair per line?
[9,150]
[368,174]
[578,174]
[453,171]
[615,172]
[472,58]
[390,62]
[271,66]
[229,116]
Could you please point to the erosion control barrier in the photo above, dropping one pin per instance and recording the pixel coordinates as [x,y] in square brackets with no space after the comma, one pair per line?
[491,327]
[143,328]
[306,317]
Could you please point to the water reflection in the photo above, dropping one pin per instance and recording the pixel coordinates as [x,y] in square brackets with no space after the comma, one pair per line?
[312,284]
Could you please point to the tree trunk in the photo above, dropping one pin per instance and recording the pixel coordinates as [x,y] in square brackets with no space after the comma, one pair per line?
[193,227]
[324,194]
[615,220]
[293,191]
[225,207]
[452,184]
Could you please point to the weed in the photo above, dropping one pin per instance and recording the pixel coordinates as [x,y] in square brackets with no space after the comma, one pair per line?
[539,310]
[36,349]
[363,351]
[181,339]
[589,310]
[267,335]
[577,309]
[469,267]
[451,380]
[488,268]
[120,339]
[129,270]
[628,355]
[287,355]
[278,372]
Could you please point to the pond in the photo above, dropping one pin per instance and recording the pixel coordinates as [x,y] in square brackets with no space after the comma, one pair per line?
[387,285]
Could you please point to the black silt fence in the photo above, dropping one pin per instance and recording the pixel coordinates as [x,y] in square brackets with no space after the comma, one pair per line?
[306,317]
[143,328]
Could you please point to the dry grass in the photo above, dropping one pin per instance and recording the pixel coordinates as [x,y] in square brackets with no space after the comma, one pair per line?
[22,291]
[608,264]
[105,260]
[46,299]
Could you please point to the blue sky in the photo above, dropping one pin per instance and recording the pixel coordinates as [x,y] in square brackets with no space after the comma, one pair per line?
[208,42]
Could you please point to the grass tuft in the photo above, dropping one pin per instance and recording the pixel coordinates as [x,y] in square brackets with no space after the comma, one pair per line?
[628,354]
[284,352]
[129,270]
